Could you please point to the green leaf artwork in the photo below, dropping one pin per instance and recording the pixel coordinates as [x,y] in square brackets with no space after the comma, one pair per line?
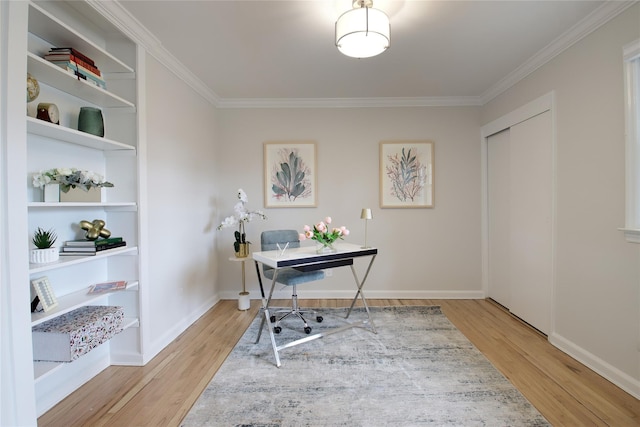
[290,177]
[406,174]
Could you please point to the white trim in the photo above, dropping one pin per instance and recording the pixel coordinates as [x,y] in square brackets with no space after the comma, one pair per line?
[626,382]
[595,20]
[444,101]
[348,294]
[129,25]
[631,58]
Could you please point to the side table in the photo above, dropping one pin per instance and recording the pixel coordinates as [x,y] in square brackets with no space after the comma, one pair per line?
[244,302]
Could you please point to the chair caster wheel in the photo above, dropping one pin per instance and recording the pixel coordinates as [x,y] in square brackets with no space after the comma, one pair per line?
[319,319]
[277,329]
[272,319]
[307,330]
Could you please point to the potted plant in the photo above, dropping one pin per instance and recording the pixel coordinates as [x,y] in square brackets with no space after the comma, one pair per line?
[45,252]
[240,217]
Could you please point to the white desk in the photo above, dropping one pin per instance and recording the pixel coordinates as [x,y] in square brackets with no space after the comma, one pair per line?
[306,259]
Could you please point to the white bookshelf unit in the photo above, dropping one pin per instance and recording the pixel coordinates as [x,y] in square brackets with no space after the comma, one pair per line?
[78,25]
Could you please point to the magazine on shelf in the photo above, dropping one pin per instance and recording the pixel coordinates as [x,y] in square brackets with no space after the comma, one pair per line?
[99,288]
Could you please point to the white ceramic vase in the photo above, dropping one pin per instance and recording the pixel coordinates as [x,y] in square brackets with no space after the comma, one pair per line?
[44,256]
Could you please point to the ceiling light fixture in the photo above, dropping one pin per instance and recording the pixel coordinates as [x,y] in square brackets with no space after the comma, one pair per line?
[362,32]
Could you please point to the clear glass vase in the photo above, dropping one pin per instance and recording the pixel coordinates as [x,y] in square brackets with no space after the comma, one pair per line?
[325,248]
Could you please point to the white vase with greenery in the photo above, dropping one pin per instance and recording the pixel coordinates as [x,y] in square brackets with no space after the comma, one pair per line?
[45,252]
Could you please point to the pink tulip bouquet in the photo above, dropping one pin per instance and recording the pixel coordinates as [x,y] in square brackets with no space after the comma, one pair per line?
[322,234]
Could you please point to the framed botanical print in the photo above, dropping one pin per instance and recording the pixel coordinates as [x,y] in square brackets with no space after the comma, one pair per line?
[406,174]
[290,174]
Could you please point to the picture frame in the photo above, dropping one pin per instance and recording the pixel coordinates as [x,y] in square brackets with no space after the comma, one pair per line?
[42,286]
[284,160]
[407,174]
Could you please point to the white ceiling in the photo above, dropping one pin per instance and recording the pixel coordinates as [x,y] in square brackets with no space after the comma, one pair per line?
[249,50]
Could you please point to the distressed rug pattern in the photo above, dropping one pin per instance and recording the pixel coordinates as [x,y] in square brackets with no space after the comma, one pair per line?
[418,370]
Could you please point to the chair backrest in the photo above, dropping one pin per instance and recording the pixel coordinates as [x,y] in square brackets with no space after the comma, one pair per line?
[269,239]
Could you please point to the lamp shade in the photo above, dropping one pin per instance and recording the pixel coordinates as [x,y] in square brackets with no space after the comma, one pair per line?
[362,32]
[366,214]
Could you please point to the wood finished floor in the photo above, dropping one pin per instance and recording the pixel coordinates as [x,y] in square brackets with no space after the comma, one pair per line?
[162,392]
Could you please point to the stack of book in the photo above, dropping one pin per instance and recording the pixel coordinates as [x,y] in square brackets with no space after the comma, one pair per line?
[77,64]
[91,247]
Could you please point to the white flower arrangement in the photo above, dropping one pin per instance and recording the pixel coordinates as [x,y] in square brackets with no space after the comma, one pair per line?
[70,178]
[240,216]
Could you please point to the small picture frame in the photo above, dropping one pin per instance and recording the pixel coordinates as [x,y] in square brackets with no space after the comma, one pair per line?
[290,174]
[407,174]
[45,293]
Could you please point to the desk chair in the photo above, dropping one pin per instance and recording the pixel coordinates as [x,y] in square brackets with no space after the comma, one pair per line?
[289,277]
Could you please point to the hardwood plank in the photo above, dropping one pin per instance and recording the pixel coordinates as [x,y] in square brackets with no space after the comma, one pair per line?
[161,393]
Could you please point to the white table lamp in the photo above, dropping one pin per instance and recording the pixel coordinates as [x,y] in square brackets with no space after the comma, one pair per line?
[366,215]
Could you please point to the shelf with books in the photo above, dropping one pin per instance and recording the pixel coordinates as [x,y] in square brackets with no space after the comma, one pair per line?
[72,260]
[49,73]
[76,137]
[51,29]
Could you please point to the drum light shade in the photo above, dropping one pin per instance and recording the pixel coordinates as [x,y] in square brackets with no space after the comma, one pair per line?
[362,32]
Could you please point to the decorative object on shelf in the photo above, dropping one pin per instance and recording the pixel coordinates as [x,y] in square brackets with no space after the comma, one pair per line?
[51,193]
[326,238]
[69,179]
[366,215]
[90,121]
[95,229]
[33,88]
[44,293]
[240,217]
[48,112]
[45,252]
[71,335]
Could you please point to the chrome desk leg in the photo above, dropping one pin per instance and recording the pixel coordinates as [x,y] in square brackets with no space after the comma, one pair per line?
[267,319]
[361,295]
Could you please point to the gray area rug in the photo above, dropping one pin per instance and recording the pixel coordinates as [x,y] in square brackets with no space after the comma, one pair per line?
[418,370]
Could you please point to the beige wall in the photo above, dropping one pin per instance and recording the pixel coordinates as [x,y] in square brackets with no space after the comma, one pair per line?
[597,280]
[180,185]
[423,252]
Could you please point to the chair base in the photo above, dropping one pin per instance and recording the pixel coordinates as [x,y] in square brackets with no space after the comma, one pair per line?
[293,311]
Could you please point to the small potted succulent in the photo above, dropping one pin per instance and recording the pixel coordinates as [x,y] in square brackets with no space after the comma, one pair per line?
[45,252]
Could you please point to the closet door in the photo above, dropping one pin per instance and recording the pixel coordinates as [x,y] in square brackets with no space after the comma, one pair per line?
[498,183]
[519,199]
[531,209]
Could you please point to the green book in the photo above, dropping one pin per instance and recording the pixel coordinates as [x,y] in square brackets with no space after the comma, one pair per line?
[93,243]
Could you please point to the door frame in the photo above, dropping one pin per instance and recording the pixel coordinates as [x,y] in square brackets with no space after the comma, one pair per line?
[538,106]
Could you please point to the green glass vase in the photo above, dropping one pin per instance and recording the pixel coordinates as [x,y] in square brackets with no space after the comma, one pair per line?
[90,121]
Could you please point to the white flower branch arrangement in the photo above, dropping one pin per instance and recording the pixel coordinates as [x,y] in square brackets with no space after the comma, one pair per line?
[240,216]
[69,178]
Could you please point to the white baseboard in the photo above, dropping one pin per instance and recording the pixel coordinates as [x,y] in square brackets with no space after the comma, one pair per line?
[611,373]
[285,293]
[169,336]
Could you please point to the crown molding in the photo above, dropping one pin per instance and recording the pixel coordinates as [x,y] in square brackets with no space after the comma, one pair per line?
[592,22]
[450,101]
[129,25]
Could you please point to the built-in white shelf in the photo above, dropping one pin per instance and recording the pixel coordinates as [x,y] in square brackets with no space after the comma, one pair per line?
[73,136]
[66,261]
[59,34]
[70,302]
[49,73]
[42,369]
[121,206]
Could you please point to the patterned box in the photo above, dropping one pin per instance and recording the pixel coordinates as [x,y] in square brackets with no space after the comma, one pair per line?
[73,334]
